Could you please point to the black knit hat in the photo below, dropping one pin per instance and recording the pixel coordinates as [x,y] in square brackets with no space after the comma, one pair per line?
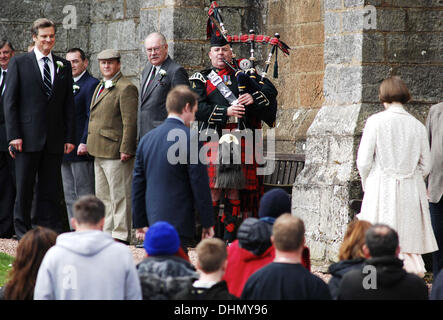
[274,203]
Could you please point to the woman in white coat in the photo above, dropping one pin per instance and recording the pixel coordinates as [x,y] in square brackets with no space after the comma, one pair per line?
[393,160]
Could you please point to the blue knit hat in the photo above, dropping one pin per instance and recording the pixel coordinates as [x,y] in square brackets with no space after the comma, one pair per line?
[161,239]
[274,203]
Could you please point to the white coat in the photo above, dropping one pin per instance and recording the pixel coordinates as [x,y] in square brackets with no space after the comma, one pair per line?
[393,160]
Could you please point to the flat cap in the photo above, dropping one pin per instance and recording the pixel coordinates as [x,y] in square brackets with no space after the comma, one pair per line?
[108,54]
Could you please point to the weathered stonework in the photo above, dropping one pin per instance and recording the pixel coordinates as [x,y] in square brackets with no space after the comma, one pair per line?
[406,41]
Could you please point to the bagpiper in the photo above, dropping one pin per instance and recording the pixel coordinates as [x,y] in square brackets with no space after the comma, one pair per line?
[232,101]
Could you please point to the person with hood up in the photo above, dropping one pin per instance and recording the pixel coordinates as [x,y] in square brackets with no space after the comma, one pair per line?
[253,248]
[87,264]
[382,276]
[350,255]
[166,270]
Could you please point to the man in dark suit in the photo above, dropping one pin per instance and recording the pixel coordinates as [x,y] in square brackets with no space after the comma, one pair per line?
[159,76]
[7,168]
[39,118]
[164,189]
[78,166]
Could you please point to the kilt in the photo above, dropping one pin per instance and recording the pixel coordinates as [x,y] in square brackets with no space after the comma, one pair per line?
[250,195]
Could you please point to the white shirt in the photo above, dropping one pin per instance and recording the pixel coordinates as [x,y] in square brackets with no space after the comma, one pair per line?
[79,77]
[41,63]
[178,118]
[157,68]
[101,83]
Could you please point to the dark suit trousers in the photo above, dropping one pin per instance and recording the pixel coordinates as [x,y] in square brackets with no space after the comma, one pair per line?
[48,207]
[7,195]
[436,211]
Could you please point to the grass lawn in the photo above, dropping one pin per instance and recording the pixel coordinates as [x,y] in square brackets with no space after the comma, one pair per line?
[5,262]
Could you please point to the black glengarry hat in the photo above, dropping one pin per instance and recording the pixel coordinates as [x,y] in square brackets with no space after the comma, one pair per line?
[218,40]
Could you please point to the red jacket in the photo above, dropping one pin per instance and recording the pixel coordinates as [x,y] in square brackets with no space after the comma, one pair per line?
[243,263]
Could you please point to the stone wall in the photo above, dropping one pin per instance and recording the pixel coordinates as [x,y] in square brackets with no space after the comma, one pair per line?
[404,39]
[115,24]
[17,16]
[300,83]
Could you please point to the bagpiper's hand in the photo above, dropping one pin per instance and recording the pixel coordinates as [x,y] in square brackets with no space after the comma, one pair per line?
[245,99]
[236,110]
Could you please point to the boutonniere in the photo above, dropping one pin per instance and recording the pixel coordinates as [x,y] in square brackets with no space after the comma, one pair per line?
[60,65]
[75,88]
[162,73]
[108,84]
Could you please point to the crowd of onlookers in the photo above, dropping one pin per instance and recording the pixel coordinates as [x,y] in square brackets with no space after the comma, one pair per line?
[268,261]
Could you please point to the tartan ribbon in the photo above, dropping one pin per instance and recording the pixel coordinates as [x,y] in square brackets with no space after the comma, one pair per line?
[214,16]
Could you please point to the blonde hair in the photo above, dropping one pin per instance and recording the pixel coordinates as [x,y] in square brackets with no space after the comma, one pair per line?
[353,241]
[288,232]
[211,254]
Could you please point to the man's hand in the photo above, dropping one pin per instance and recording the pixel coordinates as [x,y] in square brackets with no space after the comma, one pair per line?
[82,149]
[18,147]
[245,99]
[207,233]
[69,147]
[236,110]
[140,233]
[124,156]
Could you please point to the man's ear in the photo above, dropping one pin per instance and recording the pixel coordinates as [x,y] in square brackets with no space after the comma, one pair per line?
[272,239]
[225,265]
[74,223]
[86,62]
[197,265]
[101,223]
[187,107]
[397,251]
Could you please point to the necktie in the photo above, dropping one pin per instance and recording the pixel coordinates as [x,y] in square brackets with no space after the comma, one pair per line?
[102,87]
[2,85]
[47,77]
[151,79]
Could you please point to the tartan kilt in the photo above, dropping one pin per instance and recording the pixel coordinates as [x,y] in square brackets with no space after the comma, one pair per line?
[253,190]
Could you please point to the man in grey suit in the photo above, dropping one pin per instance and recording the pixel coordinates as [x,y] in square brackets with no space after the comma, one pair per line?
[434,126]
[159,76]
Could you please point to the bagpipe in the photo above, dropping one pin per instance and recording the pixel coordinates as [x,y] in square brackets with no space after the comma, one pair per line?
[249,81]
[229,174]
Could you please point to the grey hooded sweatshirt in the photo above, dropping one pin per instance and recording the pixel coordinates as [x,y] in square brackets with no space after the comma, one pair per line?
[87,265]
